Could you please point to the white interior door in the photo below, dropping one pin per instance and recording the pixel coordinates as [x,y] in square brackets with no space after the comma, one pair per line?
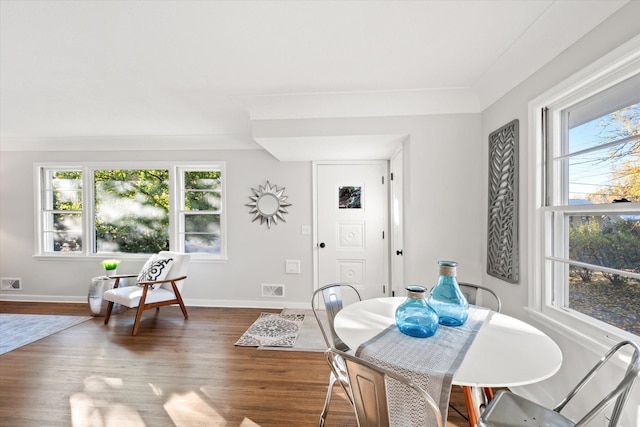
[397,226]
[351,226]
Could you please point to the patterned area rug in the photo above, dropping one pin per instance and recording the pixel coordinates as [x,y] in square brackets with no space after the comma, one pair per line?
[273,330]
[18,330]
[310,338]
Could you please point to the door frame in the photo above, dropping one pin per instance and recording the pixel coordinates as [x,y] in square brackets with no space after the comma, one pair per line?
[396,234]
[314,211]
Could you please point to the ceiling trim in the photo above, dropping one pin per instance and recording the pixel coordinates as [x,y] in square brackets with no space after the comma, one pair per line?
[329,148]
[130,143]
[362,104]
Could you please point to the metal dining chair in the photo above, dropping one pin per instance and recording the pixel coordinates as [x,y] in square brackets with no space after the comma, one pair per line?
[510,410]
[369,388]
[477,398]
[332,300]
[476,295]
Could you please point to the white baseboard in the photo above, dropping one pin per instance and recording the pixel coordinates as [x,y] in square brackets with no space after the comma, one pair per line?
[188,302]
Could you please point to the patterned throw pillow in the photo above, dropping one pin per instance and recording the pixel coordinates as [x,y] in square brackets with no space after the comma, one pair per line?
[156,268]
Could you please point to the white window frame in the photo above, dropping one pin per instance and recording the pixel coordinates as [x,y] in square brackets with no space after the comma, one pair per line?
[181,213]
[88,197]
[617,66]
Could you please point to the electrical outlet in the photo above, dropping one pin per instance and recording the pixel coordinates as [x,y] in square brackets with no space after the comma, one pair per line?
[292,266]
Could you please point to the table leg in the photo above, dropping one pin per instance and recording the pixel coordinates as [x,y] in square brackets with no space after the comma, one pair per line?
[471,407]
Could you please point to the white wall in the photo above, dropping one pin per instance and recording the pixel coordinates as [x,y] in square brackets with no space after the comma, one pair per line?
[612,33]
[256,254]
[443,196]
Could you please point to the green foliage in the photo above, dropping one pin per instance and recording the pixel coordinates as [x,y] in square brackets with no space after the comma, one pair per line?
[202,190]
[613,241]
[609,241]
[132,210]
[110,264]
[619,125]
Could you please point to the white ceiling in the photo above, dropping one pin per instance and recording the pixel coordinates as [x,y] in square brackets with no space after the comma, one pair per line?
[197,73]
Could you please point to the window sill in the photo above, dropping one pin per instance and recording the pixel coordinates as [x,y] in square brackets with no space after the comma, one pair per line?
[589,336]
[99,258]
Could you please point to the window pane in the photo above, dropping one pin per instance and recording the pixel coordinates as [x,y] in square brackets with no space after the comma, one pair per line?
[66,189]
[132,210]
[64,232]
[202,224]
[61,213]
[202,234]
[611,241]
[202,243]
[606,174]
[607,127]
[67,200]
[202,180]
[594,294]
[202,201]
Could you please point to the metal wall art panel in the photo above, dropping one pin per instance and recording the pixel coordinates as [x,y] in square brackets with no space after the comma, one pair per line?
[502,238]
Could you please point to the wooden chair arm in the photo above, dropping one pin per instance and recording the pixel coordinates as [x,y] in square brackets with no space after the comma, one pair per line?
[157,282]
[117,277]
[122,276]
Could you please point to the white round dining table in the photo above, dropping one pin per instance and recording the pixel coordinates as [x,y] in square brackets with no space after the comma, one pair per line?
[506,352]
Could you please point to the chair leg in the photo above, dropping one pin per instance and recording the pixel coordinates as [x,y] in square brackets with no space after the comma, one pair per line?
[325,410]
[143,300]
[136,324]
[109,309]
[179,298]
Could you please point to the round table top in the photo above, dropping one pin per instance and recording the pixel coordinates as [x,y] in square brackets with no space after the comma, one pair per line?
[506,352]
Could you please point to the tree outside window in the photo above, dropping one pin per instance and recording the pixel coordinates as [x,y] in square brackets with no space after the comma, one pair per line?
[132,211]
[604,168]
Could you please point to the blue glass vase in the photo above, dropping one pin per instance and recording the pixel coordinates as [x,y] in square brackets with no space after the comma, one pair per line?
[446,297]
[414,317]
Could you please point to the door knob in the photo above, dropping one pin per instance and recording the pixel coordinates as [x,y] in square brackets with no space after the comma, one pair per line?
[322,245]
[399,252]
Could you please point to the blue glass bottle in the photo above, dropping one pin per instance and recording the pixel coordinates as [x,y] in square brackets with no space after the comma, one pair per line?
[447,299]
[414,317]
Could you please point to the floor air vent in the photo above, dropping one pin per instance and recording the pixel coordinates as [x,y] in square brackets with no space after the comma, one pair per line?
[10,284]
[272,290]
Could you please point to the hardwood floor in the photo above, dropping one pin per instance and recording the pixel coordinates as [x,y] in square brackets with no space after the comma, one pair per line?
[175,372]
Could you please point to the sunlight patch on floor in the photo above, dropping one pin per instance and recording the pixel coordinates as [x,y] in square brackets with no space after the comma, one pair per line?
[95,407]
[248,423]
[189,409]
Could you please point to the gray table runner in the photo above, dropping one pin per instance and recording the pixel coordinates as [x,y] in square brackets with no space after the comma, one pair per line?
[427,362]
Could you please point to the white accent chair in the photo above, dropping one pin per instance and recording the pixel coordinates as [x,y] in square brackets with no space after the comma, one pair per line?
[147,294]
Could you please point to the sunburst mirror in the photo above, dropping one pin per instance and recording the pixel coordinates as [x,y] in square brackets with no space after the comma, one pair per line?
[269,204]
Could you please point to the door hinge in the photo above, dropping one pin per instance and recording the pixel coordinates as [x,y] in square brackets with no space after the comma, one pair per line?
[384,289]
[393,293]
[391,177]
[383,180]
[383,235]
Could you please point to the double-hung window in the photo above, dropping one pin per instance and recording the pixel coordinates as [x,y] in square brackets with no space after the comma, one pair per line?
[91,210]
[61,210]
[586,273]
[199,213]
